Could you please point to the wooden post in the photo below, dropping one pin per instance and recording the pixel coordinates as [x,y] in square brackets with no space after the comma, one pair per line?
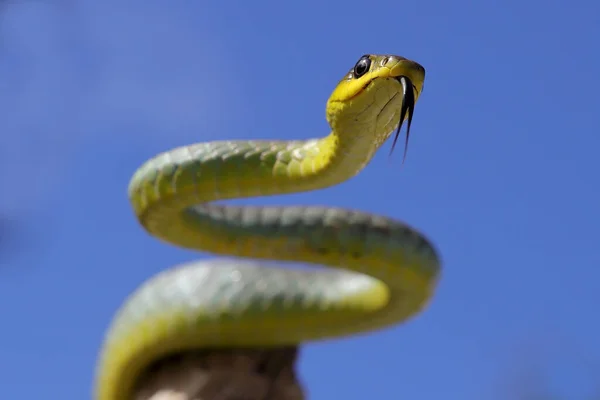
[224,374]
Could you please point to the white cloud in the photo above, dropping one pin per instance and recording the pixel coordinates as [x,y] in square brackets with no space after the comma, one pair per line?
[69,70]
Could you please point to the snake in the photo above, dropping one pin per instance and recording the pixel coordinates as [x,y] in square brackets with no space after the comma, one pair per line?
[374,271]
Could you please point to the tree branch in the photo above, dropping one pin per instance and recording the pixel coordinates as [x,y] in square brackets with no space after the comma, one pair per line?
[224,374]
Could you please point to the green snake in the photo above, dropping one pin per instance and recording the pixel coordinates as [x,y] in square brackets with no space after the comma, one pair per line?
[386,271]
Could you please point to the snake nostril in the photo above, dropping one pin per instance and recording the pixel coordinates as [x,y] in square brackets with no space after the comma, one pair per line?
[420,68]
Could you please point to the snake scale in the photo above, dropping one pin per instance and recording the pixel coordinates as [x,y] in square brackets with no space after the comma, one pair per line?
[383,271]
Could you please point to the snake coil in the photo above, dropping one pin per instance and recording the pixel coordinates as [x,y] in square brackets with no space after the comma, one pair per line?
[387,271]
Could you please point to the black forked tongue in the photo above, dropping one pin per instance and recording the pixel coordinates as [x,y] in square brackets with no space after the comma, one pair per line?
[408,106]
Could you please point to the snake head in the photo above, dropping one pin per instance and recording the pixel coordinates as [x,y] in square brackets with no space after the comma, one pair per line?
[375,98]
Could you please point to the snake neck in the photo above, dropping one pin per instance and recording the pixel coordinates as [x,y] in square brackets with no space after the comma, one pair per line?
[329,161]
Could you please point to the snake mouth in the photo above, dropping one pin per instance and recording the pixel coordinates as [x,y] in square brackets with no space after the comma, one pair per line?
[407,109]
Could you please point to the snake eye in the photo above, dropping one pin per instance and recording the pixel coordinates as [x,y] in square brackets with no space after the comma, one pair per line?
[362,67]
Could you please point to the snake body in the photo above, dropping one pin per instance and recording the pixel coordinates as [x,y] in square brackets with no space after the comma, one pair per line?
[387,270]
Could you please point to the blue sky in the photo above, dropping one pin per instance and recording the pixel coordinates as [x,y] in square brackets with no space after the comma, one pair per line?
[501,174]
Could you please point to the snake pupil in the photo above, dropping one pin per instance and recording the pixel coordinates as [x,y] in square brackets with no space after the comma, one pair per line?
[362,66]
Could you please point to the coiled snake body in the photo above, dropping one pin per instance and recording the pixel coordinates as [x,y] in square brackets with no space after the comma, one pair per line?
[228,303]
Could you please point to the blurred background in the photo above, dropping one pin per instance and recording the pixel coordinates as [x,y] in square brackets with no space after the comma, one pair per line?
[502,175]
